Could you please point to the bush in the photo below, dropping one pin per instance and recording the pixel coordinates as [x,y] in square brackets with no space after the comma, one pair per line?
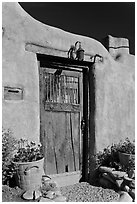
[8,147]
[127,147]
[110,156]
[28,151]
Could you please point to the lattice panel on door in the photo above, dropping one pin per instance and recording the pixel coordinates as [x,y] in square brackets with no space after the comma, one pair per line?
[61,89]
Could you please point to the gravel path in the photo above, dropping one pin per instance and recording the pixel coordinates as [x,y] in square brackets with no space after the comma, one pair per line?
[81,192]
[11,194]
[84,192]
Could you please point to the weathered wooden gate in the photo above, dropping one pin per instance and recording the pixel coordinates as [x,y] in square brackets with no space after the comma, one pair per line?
[61,112]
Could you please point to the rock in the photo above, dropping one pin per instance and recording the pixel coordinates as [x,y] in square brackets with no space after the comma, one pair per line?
[49,185]
[107,176]
[132,184]
[124,197]
[123,184]
[119,174]
[127,179]
[28,195]
[105,183]
[104,169]
[44,193]
[45,200]
[129,182]
[132,193]
[114,182]
[112,176]
[119,182]
[53,194]
[60,199]
[126,188]
[58,193]
[50,195]
[113,173]
[131,174]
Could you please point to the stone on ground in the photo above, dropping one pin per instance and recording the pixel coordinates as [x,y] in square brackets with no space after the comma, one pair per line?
[45,200]
[126,188]
[132,193]
[124,197]
[119,182]
[104,169]
[131,174]
[132,184]
[119,174]
[105,183]
[60,199]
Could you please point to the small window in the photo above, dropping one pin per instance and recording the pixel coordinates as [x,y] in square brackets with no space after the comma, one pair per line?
[61,89]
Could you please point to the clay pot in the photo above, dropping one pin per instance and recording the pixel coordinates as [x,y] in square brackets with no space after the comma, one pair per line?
[80,54]
[29,174]
[124,158]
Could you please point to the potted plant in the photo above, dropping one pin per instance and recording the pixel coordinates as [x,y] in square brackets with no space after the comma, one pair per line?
[28,160]
[126,151]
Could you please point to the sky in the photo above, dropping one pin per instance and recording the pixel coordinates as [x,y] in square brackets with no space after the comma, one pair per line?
[92,19]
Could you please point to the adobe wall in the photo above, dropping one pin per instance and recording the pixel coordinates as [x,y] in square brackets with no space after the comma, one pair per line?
[23,37]
[20,67]
[115,108]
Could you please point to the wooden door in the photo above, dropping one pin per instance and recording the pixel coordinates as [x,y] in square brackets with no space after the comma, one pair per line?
[61,97]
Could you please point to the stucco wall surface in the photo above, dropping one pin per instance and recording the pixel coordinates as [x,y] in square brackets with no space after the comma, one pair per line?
[20,66]
[20,70]
[115,108]
[114,114]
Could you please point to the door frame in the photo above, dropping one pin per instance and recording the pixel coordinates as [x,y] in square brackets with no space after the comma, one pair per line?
[85,67]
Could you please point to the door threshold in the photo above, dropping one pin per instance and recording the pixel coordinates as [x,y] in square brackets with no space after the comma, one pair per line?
[66,179]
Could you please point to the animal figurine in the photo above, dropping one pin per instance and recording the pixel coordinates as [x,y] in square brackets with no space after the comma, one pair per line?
[79,52]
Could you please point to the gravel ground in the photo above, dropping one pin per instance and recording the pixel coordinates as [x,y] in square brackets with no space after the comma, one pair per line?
[81,192]
[84,192]
[11,194]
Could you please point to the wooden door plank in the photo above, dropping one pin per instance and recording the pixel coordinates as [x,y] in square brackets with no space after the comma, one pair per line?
[41,86]
[50,156]
[81,118]
[61,132]
[72,136]
[69,149]
[58,120]
[75,121]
